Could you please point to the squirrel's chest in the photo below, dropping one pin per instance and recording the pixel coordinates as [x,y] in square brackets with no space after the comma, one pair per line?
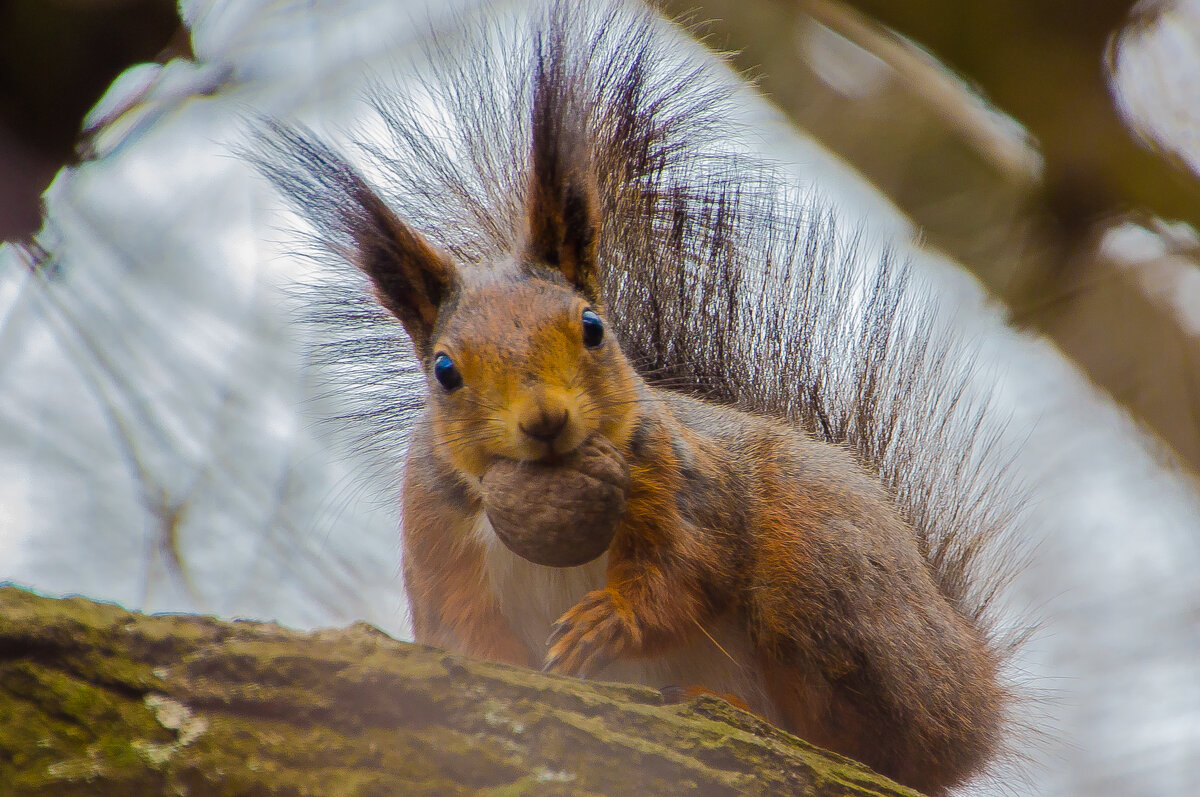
[533,597]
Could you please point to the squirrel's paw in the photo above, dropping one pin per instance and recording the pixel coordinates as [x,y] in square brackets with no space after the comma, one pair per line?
[592,634]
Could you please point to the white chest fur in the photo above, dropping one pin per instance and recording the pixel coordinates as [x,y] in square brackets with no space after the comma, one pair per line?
[533,597]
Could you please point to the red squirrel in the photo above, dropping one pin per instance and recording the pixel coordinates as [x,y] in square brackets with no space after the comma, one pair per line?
[580,290]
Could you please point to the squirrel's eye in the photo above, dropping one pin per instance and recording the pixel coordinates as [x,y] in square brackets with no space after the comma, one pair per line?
[446,373]
[593,329]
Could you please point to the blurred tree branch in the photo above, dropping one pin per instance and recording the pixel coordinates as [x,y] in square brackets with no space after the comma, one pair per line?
[1045,63]
[1027,207]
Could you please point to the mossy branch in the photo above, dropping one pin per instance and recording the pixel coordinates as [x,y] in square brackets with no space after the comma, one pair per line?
[97,700]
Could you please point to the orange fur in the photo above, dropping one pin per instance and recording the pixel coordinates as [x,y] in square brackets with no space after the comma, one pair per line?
[730,517]
[446,583]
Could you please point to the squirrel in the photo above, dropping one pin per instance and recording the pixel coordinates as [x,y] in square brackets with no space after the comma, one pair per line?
[802,532]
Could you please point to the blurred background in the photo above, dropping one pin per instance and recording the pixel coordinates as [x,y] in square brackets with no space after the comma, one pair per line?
[1046,146]
[57,57]
[1051,148]
[157,437]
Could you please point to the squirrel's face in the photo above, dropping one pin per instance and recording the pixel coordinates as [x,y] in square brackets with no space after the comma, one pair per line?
[519,363]
[527,370]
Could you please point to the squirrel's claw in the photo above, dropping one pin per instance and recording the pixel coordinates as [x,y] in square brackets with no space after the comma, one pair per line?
[591,635]
[557,632]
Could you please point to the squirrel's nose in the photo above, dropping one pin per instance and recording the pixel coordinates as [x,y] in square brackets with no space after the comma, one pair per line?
[546,425]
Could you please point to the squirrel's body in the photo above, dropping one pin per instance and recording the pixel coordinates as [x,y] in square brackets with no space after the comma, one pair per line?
[782,575]
[530,599]
[818,565]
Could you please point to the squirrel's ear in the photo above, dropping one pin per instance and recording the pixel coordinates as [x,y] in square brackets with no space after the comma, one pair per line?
[562,207]
[411,278]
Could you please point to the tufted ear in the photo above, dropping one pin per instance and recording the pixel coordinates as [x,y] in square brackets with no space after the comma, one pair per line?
[412,279]
[562,207]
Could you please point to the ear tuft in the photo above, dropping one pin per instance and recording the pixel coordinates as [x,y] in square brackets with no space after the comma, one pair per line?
[412,279]
[562,206]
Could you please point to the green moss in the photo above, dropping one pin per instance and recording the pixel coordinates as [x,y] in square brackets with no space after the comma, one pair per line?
[97,701]
[56,730]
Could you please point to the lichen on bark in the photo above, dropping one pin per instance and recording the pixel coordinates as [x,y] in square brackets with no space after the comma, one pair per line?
[99,701]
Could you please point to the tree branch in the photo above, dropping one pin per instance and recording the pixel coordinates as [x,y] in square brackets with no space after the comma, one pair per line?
[96,700]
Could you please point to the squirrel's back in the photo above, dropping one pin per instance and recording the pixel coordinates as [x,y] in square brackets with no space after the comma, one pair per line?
[860,648]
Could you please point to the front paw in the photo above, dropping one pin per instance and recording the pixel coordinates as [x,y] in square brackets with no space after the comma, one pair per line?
[592,634]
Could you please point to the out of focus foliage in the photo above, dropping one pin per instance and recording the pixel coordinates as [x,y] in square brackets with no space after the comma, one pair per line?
[1023,191]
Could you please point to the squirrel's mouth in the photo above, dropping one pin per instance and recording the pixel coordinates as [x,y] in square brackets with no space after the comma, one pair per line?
[548,446]
[548,452]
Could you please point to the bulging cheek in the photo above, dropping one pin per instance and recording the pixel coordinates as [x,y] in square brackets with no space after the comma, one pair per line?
[574,435]
[464,443]
[620,410]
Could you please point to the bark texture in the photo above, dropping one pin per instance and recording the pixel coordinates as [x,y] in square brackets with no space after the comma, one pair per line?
[96,700]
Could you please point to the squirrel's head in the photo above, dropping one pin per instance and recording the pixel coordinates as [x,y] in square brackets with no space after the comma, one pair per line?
[519,360]
[522,367]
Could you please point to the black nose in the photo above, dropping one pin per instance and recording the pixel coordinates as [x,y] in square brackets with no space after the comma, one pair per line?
[546,426]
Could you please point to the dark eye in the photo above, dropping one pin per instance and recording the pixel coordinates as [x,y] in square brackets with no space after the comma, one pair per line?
[593,329]
[446,373]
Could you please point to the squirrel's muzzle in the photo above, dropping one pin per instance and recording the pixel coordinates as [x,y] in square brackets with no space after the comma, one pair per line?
[545,425]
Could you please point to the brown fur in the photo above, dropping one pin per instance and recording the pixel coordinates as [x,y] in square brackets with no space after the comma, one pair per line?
[733,515]
[822,548]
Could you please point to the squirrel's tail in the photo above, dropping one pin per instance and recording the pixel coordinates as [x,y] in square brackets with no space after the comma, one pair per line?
[719,280]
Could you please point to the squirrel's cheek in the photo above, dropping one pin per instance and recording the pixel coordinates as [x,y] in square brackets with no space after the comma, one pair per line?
[620,414]
[573,437]
[618,429]
[465,445]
